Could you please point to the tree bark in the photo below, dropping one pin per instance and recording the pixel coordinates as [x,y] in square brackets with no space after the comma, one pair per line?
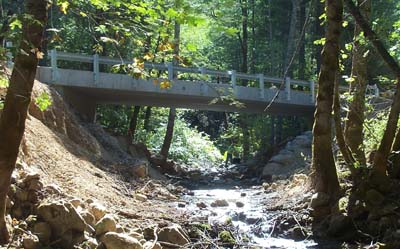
[346,152]
[355,117]
[302,50]
[133,123]
[12,122]
[380,158]
[172,111]
[147,116]
[291,38]
[324,171]
[319,32]
[245,36]
[168,134]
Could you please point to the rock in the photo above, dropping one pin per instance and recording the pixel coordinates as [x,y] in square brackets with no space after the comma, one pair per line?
[136,235]
[53,189]
[97,210]
[88,217]
[9,203]
[319,199]
[374,198]
[91,243]
[201,205]
[141,197]
[239,204]
[149,245]
[296,233]
[43,231]
[30,241]
[77,203]
[34,184]
[341,225]
[173,234]
[226,237]
[106,224]
[114,240]
[219,203]
[244,194]
[140,171]
[61,217]
[181,204]
[119,229]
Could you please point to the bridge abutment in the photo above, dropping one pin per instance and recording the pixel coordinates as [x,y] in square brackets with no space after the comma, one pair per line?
[84,105]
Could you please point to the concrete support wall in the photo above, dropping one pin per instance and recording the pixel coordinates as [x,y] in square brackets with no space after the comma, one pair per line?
[84,105]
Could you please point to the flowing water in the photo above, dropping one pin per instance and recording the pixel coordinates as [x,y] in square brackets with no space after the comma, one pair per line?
[251,219]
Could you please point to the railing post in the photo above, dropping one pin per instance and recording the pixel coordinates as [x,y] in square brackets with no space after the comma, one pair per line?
[96,69]
[10,63]
[376,91]
[233,81]
[312,89]
[53,62]
[262,92]
[170,71]
[287,88]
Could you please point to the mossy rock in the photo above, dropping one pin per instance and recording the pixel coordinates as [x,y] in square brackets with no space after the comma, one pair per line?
[226,237]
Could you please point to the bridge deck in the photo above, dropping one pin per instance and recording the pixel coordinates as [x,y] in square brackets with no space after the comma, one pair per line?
[98,87]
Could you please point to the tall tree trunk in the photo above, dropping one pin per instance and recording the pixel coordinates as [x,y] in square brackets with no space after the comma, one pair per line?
[324,171]
[147,115]
[346,153]
[272,137]
[244,69]
[355,117]
[172,111]
[253,38]
[302,49]
[168,134]
[380,158]
[279,130]
[291,38]
[133,123]
[319,32]
[12,122]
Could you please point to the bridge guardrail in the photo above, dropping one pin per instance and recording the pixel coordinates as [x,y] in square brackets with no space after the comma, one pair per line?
[234,76]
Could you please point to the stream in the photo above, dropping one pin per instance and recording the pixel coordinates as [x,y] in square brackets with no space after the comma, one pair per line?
[250,219]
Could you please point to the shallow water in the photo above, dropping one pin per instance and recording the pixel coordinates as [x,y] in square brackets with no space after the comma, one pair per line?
[250,219]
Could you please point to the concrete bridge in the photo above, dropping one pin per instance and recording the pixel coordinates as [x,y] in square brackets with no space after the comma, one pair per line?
[192,88]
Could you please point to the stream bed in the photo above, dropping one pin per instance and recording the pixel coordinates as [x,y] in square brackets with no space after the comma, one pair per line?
[246,210]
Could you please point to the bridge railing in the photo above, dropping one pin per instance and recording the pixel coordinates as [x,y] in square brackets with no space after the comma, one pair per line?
[172,70]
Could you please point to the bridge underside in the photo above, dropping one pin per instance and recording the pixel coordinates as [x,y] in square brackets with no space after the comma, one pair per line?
[79,89]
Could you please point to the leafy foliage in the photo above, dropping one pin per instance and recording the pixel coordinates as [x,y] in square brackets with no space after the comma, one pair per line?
[43,101]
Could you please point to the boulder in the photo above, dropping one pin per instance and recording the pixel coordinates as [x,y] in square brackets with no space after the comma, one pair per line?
[30,241]
[140,171]
[319,199]
[374,197]
[201,205]
[77,203]
[114,240]
[141,197]
[151,245]
[219,203]
[136,235]
[105,225]
[173,234]
[239,204]
[341,226]
[97,210]
[88,217]
[43,231]
[62,217]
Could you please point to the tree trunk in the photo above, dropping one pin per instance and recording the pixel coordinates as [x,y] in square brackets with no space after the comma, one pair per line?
[133,123]
[346,153]
[380,158]
[172,111]
[302,50]
[12,122]
[355,117]
[168,134]
[324,171]
[272,137]
[246,136]
[279,130]
[291,39]
[245,36]
[319,32]
[147,116]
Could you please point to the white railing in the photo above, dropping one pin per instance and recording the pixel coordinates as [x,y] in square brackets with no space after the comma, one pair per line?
[172,70]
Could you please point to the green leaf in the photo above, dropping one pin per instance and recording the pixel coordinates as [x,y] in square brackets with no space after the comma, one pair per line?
[43,101]
[16,24]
